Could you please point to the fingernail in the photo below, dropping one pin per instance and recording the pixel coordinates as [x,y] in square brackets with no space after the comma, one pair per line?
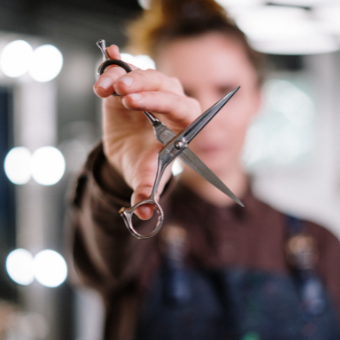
[105,83]
[127,81]
[144,213]
[136,97]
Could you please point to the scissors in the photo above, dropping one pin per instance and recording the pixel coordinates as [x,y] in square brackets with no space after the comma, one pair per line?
[174,146]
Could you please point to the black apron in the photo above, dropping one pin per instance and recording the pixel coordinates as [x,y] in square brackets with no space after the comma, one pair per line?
[238,303]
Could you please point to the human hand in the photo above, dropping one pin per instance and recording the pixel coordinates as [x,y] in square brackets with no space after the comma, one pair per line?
[130,145]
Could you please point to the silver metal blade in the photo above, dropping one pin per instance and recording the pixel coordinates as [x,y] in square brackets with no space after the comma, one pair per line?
[165,135]
[199,123]
[190,159]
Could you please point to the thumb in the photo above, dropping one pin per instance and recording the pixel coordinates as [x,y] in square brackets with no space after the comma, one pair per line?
[143,190]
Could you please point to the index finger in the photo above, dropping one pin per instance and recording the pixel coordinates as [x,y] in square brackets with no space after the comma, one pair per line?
[113,52]
[110,73]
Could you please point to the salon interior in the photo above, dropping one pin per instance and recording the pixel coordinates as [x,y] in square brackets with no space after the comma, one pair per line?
[50,119]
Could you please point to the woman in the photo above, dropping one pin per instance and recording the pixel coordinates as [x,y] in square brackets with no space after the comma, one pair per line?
[216,271]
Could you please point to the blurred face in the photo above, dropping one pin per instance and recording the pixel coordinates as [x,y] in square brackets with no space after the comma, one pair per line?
[210,66]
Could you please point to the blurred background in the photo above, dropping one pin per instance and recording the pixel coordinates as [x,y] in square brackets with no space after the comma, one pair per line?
[50,119]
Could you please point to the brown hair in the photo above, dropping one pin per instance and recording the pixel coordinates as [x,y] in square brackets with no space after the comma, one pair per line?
[168,20]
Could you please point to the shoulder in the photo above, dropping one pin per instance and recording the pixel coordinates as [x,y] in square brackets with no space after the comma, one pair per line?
[327,244]
[323,235]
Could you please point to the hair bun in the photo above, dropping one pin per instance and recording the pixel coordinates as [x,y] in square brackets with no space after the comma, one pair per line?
[168,20]
[175,18]
[174,10]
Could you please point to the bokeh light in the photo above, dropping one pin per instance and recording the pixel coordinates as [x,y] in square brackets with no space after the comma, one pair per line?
[50,268]
[295,104]
[177,167]
[32,326]
[46,63]
[19,266]
[268,31]
[283,133]
[232,3]
[302,3]
[144,4]
[328,16]
[17,165]
[141,61]
[48,165]
[15,58]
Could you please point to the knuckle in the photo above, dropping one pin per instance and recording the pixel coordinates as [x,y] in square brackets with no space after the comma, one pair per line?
[145,186]
[177,84]
[151,71]
[142,77]
[195,104]
[137,72]
[130,104]
[175,81]
[113,71]
[144,73]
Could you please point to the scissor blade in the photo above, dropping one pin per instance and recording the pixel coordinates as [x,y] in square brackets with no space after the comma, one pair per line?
[165,135]
[190,159]
[197,125]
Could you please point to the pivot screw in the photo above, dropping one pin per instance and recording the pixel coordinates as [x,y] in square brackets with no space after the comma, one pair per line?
[179,145]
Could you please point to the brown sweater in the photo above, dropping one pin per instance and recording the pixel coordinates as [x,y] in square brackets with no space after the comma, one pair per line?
[120,267]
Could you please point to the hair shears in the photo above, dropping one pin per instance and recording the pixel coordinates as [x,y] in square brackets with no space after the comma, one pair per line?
[174,146]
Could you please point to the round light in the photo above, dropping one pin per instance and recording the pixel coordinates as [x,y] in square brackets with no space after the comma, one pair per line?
[283,134]
[33,326]
[302,3]
[144,62]
[287,146]
[271,22]
[328,17]
[50,268]
[128,58]
[284,30]
[289,100]
[313,44]
[141,61]
[17,165]
[15,58]
[48,165]
[47,62]
[233,3]
[144,4]
[19,266]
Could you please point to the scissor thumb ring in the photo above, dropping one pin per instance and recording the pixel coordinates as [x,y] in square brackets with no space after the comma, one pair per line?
[127,214]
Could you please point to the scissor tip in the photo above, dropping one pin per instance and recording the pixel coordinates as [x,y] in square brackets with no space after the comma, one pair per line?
[239,202]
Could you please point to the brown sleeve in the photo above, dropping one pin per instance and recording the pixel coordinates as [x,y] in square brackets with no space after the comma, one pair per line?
[104,253]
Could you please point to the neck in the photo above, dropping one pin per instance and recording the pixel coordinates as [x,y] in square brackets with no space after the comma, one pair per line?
[235,179]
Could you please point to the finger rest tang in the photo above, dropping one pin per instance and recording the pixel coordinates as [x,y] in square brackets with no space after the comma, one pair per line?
[110,62]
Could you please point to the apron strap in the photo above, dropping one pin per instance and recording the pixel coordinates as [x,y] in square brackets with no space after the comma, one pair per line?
[302,255]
